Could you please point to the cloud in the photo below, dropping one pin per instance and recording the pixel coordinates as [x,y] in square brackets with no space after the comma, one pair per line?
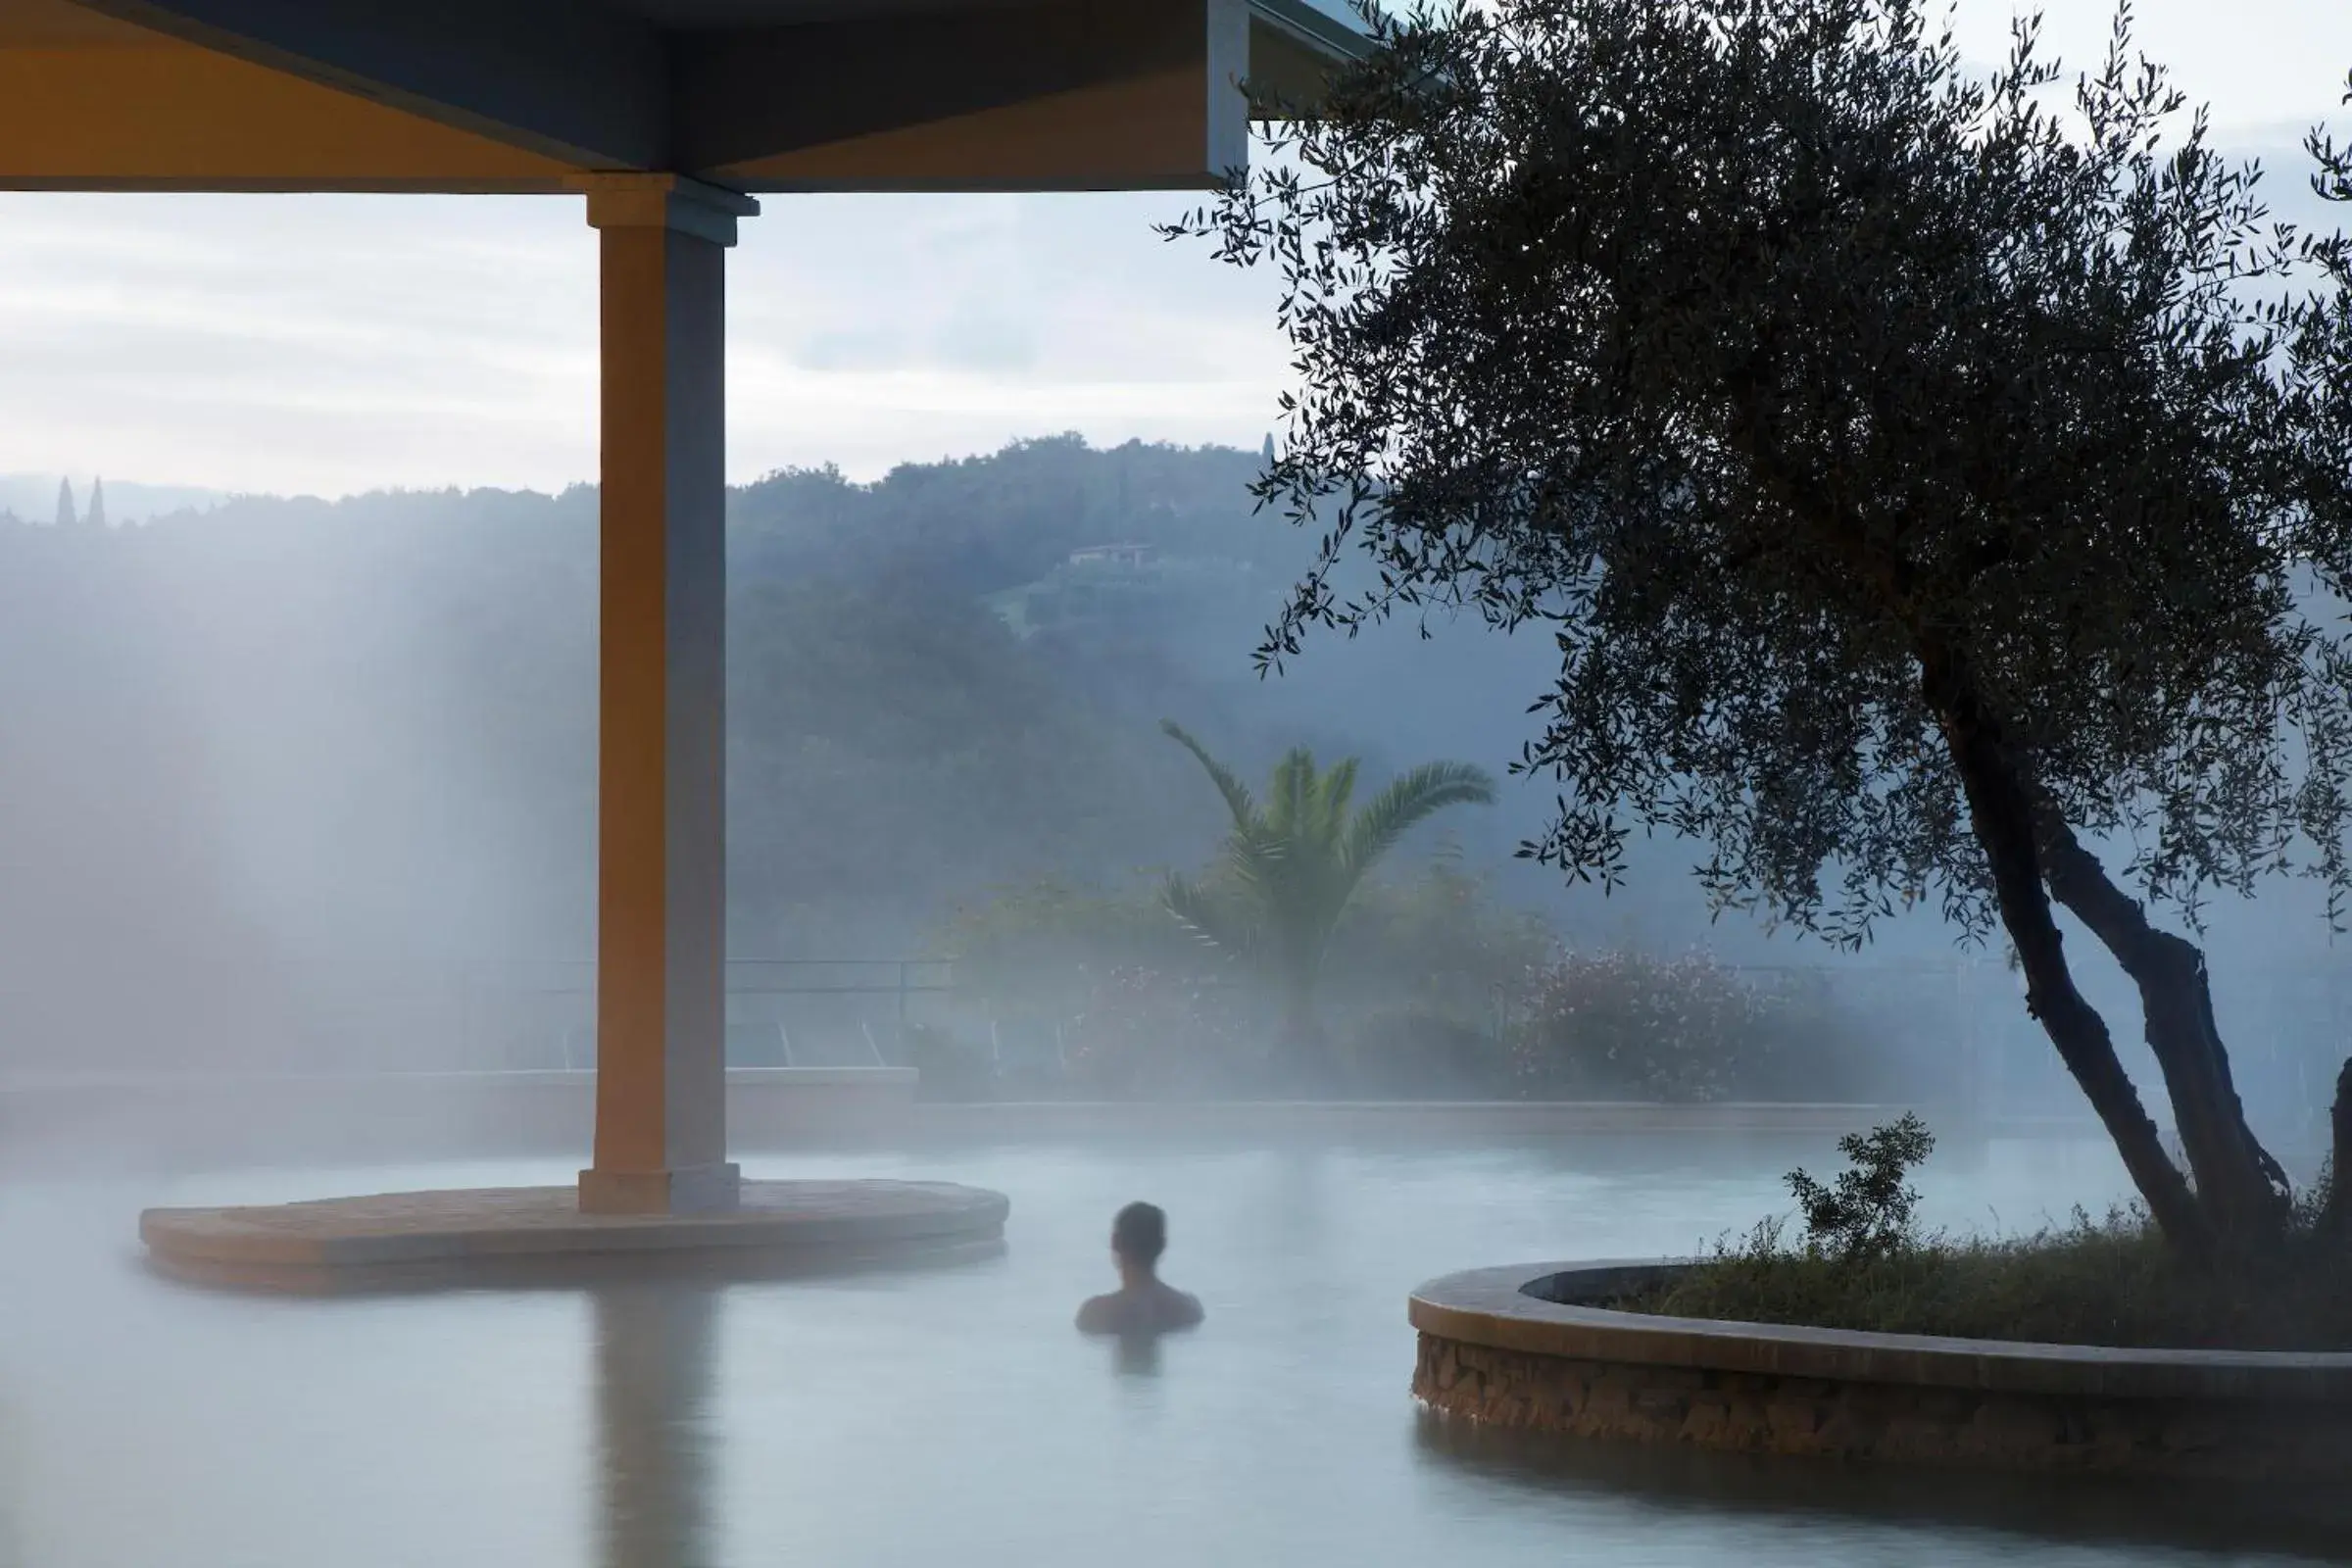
[336,344]
[2255,61]
[986,342]
[872,348]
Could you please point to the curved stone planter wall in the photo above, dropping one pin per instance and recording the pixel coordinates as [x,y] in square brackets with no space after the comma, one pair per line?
[1517,1347]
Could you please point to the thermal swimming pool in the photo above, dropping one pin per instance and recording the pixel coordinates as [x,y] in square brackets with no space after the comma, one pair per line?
[952,1415]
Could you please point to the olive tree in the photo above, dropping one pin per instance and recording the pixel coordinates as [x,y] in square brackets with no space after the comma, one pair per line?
[1926,488]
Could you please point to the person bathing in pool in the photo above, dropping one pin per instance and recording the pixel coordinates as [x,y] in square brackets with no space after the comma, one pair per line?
[1144,1304]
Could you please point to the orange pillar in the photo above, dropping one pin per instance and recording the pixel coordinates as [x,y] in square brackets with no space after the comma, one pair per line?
[661,1079]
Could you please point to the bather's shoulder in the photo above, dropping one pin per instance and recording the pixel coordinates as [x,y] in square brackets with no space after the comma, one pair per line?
[1154,1311]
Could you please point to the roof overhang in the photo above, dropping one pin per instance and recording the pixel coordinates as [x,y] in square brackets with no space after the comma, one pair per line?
[760,95]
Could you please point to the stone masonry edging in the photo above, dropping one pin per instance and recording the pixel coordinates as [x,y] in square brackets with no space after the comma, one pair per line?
[1493,1352]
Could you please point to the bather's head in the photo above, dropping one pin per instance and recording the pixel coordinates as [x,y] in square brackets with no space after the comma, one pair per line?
[1138,1235]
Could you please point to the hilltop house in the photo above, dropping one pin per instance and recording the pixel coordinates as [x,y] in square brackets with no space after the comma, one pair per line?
[1134,557]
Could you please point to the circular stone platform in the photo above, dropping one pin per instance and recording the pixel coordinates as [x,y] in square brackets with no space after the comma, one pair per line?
[522,1235]
[1530,1347]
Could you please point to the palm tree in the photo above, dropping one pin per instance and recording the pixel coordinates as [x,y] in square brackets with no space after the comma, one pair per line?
[1292,865]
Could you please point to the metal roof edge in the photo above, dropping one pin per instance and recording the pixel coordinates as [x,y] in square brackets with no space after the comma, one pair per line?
[1334,37]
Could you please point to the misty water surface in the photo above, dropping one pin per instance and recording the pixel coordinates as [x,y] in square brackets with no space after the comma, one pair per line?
[952,1415]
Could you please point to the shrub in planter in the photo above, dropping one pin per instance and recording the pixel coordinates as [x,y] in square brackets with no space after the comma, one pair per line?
[1870,1211]
[1863,1261]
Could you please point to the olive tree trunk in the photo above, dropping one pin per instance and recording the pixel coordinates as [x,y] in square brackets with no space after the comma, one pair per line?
[2245,1195]
[2001,818]
[2336,1218]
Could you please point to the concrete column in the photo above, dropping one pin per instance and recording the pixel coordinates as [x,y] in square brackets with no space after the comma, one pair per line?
[661,1070]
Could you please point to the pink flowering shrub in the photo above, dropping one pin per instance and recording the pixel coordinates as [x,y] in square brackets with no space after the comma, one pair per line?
[1145,1028]
[1622,1025]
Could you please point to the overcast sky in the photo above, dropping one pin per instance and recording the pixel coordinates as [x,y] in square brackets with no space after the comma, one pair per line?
[334,344]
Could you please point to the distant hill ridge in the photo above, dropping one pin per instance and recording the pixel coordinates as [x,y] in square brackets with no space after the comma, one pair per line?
[33,497]
[904,731]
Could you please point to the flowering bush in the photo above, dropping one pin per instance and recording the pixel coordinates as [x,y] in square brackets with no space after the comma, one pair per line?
[1141,1028]
[1622,1025]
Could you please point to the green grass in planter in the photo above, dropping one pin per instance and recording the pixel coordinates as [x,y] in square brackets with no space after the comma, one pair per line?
[2109,1282]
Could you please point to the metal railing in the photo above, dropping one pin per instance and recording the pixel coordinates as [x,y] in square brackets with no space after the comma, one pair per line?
[490,988]
[2288,1025]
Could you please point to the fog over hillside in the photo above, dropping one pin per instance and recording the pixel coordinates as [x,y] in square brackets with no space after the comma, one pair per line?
[356,737]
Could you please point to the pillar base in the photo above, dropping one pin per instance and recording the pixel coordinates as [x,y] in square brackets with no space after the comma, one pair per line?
[696,1190]
[519,1237]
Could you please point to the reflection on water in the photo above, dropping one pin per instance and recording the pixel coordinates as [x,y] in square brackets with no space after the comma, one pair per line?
[897,1417]
[1136,1356]
[12,1554]
[2082,1512]
[652,1383]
